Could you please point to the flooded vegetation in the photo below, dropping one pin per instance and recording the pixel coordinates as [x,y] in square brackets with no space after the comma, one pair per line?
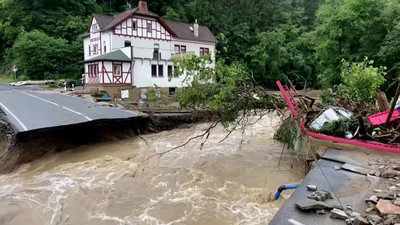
[94,184]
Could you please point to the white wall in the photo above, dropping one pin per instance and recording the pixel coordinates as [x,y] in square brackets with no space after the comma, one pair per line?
[142,76]
[143,55]
[86,43]
[143,48]
[194,46]
[106,38]
[110,79]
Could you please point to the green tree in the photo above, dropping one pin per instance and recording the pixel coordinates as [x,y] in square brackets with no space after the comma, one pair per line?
[361,80]
[40,56]
[229,91]
[172,15]
[390,49]
[347,29]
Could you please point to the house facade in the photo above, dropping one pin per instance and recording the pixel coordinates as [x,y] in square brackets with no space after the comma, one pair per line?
[134,50]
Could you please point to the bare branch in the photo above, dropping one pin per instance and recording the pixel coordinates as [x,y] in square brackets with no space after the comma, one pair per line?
[205,133]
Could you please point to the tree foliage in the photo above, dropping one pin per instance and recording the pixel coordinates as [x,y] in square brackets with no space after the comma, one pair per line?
[361,80]
[59,22]
[352,30]
[298,40]
[41,56]
[228,91]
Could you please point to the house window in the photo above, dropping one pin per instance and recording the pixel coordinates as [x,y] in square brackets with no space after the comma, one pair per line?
[96,69]
[117,70]
[160,70]
[127,43]
[93,70]
[134,25]
[204,51]
[90,51]
[104,46]
[180,49]
[156,52]
[177,49]
[95,48]
[169,71]
[172,91]
[149,29]
[153,70]
[94,28]
[174,71]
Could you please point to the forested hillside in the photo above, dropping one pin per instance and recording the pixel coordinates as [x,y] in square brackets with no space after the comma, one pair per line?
[298,40]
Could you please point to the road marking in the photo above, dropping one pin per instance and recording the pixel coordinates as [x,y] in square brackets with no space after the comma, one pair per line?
[57,105]
[76,112]
[40,98]
[15,117]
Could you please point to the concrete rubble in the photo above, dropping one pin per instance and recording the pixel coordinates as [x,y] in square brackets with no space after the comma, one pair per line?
[383,205]
[312,187]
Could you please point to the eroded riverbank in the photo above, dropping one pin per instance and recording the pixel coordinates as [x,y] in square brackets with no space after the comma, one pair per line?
[93,184]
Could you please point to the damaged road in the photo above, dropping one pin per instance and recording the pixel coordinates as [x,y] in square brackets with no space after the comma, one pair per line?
[357,193]
[33,123]
[28,109]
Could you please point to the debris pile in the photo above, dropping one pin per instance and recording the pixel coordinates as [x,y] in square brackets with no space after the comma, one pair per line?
[384,206]
[365,122]
[322,202]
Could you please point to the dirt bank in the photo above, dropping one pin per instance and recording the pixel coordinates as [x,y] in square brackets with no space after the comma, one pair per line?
[16,149]
[7,143]
[25,147]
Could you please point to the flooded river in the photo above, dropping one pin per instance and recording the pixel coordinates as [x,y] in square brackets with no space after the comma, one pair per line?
[94,184]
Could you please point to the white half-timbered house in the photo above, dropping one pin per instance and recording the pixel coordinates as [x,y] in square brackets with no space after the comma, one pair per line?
[134,49]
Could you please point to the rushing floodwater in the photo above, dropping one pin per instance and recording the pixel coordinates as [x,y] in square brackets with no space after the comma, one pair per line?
[219,184]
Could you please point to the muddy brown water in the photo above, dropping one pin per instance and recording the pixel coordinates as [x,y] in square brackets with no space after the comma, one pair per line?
[220,184]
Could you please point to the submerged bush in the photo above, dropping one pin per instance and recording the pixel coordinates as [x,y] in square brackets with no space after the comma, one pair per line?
[338,128]
[288,133]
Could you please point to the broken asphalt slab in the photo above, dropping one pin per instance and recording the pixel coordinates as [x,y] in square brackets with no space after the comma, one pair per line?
[351,188]
[357,169]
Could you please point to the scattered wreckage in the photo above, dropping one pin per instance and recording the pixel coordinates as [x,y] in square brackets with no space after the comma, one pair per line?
[380,132]
[383,207]
[33,82]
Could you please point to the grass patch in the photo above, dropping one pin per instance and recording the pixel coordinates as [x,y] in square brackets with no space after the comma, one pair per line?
[6,80]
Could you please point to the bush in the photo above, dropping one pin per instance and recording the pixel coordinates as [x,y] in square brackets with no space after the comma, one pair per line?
[338,128]
[361,81]
[41,56]
[23,78]
[53,86]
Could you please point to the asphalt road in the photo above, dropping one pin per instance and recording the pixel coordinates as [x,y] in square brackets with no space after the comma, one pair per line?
[28,108]
[347,188]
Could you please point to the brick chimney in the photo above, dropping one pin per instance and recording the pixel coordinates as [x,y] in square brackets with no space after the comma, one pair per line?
[143,7]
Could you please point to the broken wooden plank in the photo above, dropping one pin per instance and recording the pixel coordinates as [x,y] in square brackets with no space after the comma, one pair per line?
[383,103]
[396,97]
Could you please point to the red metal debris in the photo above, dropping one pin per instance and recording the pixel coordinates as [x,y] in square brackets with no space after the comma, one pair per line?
[291,103]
